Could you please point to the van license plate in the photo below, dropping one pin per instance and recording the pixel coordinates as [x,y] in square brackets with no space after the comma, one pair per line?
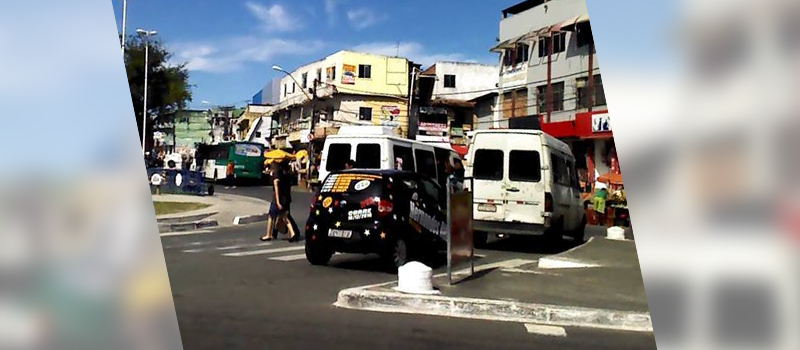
[487,208]
[340,233]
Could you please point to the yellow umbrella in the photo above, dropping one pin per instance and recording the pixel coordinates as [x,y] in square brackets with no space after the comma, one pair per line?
[278,154]
[301,155]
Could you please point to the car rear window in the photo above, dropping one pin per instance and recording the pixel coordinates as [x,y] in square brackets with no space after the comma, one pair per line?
[488,164]
[368,156]
[338,155]
[524,166]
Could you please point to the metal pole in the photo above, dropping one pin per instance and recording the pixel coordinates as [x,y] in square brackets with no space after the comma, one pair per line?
[144,110]
[124,21]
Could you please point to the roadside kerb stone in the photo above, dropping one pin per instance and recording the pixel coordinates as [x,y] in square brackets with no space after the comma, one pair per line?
[250,219]
[187,226]
[379,299]
[187,218]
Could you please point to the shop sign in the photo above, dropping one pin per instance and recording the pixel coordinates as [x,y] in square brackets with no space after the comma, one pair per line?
[348,74]
[601,123]
[433,127]
[390,116]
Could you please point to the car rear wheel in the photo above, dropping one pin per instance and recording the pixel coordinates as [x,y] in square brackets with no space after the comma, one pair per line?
[318,254]
[398,254]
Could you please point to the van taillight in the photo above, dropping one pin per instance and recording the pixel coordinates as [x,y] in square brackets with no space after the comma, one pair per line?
[385,207]
[548,202]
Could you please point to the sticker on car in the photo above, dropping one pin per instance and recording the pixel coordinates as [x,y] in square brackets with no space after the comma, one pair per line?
[360,214]
[362,185]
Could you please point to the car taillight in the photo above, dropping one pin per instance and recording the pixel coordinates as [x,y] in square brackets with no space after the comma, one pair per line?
[548,203]
[385,207]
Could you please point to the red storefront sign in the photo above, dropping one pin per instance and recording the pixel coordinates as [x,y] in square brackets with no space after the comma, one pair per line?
[581,127]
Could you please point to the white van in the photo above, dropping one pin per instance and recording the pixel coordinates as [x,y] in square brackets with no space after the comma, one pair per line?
[375,147]
[525,183]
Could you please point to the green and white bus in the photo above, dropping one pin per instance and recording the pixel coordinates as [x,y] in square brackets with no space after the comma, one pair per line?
[231,161]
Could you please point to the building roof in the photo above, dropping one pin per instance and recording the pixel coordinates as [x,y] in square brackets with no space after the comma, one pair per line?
[522,7]
[430,71]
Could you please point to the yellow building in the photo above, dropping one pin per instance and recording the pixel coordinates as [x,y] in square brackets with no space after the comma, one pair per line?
[352,88]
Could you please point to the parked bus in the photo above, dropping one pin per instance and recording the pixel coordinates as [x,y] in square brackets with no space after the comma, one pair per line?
[231,161]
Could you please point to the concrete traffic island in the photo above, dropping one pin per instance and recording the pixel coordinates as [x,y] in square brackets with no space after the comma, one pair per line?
[602,287]
[223,210]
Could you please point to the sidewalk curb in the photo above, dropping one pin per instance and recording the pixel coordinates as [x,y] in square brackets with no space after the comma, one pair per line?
[186,226]
[250,219]
[493,310]
[187,218]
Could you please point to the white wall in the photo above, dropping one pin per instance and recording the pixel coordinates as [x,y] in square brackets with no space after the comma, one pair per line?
[469,77]
[547,14]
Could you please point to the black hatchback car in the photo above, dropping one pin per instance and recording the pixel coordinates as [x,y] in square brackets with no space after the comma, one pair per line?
[399,215]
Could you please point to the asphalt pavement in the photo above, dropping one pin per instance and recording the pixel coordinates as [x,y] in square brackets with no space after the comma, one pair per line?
[233,291]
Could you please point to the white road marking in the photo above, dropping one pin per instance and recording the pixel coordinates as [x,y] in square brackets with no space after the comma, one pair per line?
[185,233]
[233,247]
[531,272]
[290,257]
[264,251]
[505,264]
[552,331]
[550,263]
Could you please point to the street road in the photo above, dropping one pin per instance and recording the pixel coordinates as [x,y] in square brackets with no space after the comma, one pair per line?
[233,291]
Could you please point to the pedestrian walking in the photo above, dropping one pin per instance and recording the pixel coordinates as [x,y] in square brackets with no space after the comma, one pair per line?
[282,198]
[272,217]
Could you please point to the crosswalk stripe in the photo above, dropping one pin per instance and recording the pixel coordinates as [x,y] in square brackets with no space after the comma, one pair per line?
[289,257]
[232,247]
[263,251]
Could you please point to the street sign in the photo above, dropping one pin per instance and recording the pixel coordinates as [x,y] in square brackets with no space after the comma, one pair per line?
[460,244]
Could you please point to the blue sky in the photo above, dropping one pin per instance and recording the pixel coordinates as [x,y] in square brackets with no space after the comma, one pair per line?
[231,45]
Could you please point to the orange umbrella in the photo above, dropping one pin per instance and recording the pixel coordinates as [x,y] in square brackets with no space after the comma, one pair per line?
[611,178]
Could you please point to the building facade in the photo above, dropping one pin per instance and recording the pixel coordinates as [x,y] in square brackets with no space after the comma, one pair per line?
[549,72]
[345,88]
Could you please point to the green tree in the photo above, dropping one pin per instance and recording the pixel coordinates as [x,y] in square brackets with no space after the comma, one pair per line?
[168,86]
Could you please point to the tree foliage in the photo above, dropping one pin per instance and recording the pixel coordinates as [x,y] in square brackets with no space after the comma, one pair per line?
[168,86]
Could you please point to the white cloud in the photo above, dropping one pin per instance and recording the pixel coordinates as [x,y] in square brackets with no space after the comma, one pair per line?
[363,18]
[274,18]
[233,54]
[330,10]
[412,50]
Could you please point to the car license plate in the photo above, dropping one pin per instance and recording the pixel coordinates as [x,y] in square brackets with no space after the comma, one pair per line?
[340,233]
[487,208]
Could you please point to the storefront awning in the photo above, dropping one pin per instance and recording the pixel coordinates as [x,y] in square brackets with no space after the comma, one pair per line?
[511,43]
[570,24]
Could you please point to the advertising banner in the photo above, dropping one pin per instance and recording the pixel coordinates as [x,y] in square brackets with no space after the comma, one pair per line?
[460,244]
[348,74]
[390,116]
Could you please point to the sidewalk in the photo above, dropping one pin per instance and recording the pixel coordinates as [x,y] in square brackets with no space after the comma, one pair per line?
[225,210]
[598,284]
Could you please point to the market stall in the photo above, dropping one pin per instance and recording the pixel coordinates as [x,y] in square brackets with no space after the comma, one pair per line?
[615,211]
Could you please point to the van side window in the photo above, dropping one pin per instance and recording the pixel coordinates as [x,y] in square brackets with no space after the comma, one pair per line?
[406,155]
[426,164]
[525,166]
[573,171]
[488,164]
[338,154]
[442,157]
[561,173]
[368,156]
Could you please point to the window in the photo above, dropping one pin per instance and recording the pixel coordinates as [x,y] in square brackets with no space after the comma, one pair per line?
[519,54]
[304,80]
[426,163]
[558,97]
[449,81]
[333,73]
[433,191]
[488,164]
[407,157]
[285,89]
[319,77]
[368,156]
[338,154]
[365,71]
[584,36]
[442,158]
[583,92]
[293,87]
[559,44]
[365,113]
[563,171]
[524,166]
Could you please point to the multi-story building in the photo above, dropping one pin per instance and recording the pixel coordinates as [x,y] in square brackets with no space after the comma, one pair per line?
[345,88]
[550,78]
[445,89]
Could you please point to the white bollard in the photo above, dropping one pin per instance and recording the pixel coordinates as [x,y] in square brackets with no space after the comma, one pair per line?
[616,233]
[415,278]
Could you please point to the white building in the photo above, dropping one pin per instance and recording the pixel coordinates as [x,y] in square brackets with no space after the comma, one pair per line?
[462,80]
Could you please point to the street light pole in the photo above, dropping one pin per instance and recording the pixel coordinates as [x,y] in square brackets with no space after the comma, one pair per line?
[124,21]
[146,35]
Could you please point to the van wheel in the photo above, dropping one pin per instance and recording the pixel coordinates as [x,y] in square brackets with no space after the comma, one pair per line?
[480,239]
[318,254]
[580,233]
[556,233]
